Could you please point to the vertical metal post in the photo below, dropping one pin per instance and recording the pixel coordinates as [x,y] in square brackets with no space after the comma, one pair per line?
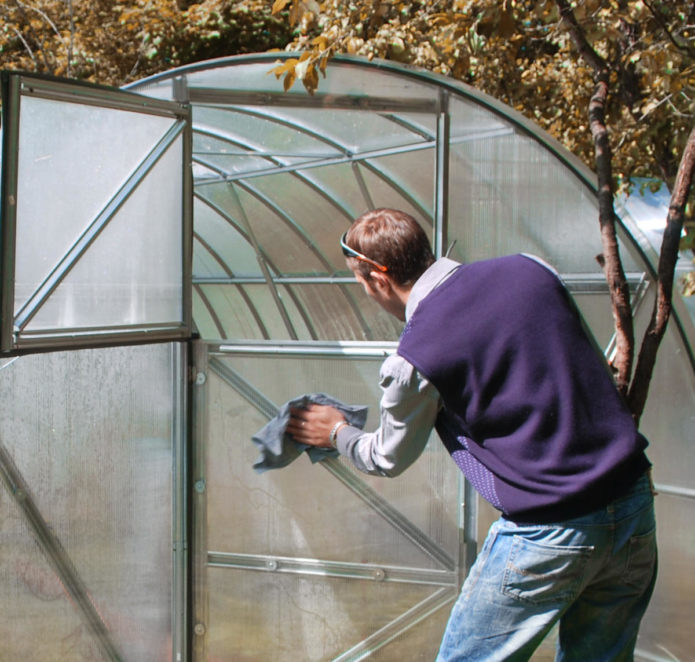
[198,504]
[180,92]
[441,184]
[8,204]
[180,515]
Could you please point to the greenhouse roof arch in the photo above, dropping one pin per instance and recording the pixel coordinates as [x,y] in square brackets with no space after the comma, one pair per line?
[278,176]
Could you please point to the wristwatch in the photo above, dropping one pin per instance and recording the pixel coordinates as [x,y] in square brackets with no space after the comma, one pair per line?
[333,436]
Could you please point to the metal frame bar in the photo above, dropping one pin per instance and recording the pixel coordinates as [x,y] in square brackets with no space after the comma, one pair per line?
[337,569]
[674,490]
[90,94]
[180,434]
[441,189]
[215,96]
[576,283]
[8,192]
[198,503]
[351,350]
[76,338]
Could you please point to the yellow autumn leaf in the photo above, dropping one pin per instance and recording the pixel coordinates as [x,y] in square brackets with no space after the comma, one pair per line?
[287,65]
[289,80]
[279,5]
[310,79]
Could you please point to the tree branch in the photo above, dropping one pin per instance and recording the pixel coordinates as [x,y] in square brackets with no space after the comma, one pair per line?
[610,258]
[664,293]
[659,18]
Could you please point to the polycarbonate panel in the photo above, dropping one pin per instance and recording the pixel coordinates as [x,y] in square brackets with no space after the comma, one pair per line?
[132,273]
[508,195]
[666,631]
[397,539]
[312,311]
[669,417]
[86,564]
[262,130]
[221,248]
[260,616]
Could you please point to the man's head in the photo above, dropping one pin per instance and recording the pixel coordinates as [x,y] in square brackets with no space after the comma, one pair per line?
[388,251]
[391,238]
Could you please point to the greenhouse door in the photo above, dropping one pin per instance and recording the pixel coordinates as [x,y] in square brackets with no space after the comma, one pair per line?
[96,235]
[312,561]
[96,197]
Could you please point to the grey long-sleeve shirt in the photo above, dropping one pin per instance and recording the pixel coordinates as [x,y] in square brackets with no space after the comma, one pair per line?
[409,402]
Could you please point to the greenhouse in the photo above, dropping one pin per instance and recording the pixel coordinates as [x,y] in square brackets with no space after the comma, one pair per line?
[172,276]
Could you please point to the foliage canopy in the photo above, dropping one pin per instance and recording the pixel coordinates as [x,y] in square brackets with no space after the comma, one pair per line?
[518,51]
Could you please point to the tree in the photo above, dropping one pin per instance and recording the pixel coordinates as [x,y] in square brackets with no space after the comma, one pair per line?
[115,43]
[629,63]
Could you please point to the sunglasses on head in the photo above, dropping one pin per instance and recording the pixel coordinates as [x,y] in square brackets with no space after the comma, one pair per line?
[351,252]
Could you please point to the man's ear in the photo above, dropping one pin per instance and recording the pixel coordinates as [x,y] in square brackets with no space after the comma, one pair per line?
[379,280]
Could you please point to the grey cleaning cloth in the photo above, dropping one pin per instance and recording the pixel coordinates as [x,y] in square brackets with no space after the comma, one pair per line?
[278,447]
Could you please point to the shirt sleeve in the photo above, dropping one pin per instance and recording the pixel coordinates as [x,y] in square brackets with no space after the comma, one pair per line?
[409,408]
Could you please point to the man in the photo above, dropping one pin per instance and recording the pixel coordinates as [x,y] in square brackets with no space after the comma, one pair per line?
[495,357]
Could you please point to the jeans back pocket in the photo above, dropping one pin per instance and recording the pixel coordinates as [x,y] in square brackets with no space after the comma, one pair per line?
[540,573]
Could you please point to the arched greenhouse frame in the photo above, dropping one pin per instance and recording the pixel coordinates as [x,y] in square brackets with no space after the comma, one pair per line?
[171,276]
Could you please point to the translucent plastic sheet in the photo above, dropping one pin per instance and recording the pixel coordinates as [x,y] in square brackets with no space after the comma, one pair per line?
[86,506]
[350,553]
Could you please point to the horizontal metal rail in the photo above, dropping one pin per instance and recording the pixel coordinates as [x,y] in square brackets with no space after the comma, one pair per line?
[337,159]
[341,570]
[576,283]
[351,350]
[673,490]
[102,335]
[373,104]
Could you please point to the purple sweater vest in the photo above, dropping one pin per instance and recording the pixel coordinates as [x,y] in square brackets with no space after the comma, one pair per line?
[531,414]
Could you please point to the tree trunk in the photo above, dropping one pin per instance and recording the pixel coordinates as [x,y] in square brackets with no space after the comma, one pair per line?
[610,258]
[664,292]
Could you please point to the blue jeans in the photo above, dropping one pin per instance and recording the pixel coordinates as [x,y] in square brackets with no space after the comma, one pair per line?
[594,574]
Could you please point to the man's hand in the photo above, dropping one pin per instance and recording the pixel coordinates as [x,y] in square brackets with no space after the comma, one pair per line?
[313,425]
